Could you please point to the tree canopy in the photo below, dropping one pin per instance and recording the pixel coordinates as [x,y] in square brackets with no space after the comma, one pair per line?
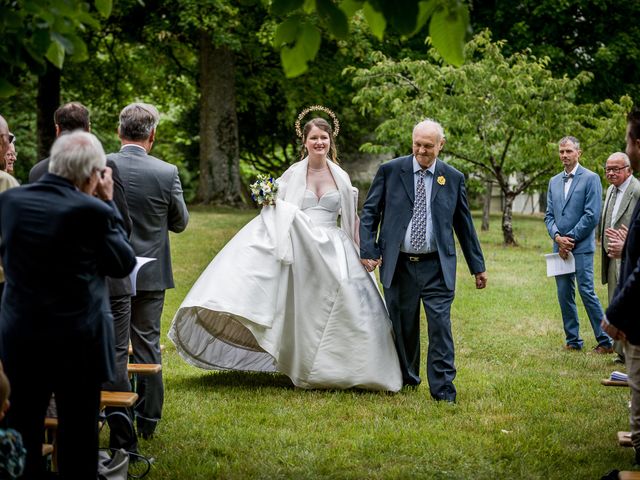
[503,115]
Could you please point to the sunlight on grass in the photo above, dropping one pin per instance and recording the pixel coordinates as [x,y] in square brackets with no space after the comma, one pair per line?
[526,408]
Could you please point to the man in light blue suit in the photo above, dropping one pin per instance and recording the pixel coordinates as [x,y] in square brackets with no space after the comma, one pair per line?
[414,205]
[574,200]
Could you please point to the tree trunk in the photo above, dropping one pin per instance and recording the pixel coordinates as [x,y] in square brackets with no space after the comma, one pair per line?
[219,151]
[486,207]
[507,225]
[47,101]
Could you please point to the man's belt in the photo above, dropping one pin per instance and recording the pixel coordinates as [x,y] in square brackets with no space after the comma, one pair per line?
[419,257]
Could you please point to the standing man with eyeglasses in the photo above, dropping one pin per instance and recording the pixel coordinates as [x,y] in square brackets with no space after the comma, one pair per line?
[620,200]
[574,199]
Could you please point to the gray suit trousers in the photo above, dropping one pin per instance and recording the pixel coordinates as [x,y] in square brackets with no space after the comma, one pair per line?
[146,312]
[120,433]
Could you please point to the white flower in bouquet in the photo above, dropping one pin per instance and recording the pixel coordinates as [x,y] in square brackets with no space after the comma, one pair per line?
[264,190]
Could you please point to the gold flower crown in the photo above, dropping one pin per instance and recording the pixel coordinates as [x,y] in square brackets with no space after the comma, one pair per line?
[318,108]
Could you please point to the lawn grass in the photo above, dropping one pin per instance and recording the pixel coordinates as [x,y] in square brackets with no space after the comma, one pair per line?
[526,408]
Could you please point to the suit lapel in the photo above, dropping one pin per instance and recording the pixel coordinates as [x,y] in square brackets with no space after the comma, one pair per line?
[437,173]
[406,175]
[607,201]
[624,204]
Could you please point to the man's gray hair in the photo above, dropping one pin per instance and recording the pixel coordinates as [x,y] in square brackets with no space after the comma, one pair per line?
[621,155]
[429,122]
[76,155]
[138,120]
[570,139]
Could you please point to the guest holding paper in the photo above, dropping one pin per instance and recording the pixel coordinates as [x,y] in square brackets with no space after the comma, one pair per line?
[621,321]
[573,209]
[154,196]
[619,203]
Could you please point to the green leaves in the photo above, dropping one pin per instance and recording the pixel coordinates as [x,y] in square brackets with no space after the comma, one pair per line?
[282,7]
[46,30]
[376,21]
[55,53]
[299,42]
[448,26]
[6,89]
[336,18]
[104,7]
[447,29]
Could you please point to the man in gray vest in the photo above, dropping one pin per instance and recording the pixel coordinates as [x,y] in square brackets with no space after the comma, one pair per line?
[156,205]
[620,200]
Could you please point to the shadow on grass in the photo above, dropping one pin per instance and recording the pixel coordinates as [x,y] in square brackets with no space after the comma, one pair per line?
[255,380]
[250,380]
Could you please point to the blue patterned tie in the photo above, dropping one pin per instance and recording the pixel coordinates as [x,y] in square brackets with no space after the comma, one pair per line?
[419,220]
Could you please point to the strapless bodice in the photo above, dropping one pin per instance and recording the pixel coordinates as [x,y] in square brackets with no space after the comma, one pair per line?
[323,211]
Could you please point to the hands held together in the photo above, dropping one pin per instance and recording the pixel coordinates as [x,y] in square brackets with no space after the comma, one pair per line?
[616,237]
[565,245]
[370,264]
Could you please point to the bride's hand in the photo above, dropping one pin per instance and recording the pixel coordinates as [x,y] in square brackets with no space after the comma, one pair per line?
[370,264]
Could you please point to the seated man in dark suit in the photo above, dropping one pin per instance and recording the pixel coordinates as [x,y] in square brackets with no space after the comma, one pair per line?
[58,243]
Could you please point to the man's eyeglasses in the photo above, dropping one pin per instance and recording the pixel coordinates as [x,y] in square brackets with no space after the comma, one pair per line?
[615,169]
[10,136]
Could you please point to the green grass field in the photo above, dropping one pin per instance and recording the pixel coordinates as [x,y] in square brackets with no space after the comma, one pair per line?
[526,408]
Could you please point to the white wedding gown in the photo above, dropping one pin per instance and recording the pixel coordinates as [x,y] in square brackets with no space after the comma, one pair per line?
[318,318]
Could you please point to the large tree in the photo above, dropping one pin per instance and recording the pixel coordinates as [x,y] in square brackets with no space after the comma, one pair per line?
[503,115]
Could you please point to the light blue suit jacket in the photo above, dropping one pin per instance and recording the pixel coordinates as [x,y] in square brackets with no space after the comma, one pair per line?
[576,216]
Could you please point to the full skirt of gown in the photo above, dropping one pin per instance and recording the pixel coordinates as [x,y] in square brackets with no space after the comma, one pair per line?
[317,317]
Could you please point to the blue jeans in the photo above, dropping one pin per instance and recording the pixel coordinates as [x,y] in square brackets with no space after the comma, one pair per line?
[567,299]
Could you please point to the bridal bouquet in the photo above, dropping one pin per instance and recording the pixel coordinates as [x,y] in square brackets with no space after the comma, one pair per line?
[264,190]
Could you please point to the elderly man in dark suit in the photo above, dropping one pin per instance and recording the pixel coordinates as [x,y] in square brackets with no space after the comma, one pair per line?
[621,319]
[156,206]
[417,202]
[67,118]
[59,241]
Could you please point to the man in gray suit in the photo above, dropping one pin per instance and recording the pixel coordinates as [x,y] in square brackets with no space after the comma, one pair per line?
[418,201]
[620,200]
[156,206]
[574,200]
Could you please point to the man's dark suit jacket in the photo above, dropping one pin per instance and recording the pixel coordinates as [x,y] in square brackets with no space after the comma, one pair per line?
[623,309]
[58,244]
[389,206]
[38,170]
[117,286]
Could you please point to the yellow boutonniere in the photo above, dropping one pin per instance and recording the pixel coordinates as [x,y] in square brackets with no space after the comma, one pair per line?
[441,180]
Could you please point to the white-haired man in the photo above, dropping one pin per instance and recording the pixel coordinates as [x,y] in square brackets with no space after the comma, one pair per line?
[413,207]
[60,238]
[619,203]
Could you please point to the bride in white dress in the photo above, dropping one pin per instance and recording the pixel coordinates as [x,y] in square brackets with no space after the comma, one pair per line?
[288,293]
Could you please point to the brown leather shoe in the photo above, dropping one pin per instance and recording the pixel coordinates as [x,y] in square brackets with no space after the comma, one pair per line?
[601,350]
[572,348]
